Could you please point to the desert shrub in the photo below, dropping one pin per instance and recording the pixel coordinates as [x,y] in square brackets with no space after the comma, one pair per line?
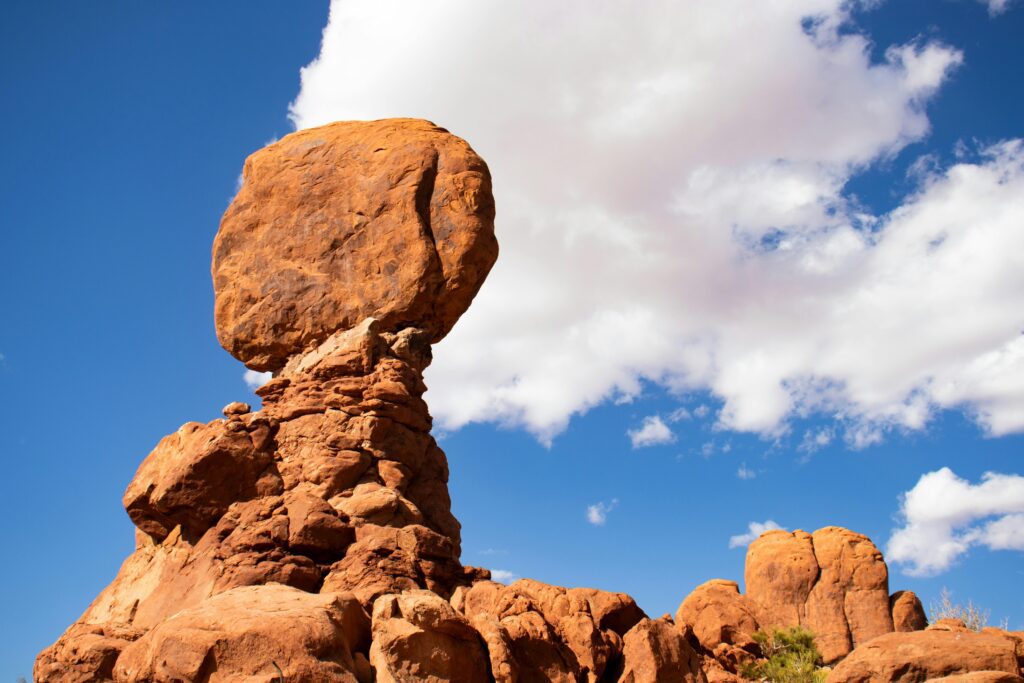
[973,616]
[790,656]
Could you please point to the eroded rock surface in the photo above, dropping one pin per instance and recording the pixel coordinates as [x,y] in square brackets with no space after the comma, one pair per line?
[418,636]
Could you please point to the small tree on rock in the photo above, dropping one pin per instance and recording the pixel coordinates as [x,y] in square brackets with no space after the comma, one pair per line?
[790,656]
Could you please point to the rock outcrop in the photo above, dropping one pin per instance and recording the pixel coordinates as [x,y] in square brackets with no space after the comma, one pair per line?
[833,582]
[927,655]
[907,612]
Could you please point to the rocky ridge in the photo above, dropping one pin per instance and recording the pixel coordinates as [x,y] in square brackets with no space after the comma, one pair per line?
[313,539]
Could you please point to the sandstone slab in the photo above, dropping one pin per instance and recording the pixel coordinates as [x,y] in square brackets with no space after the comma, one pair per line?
[925,655]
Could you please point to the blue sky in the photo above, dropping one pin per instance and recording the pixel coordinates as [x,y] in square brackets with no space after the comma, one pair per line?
[696,268]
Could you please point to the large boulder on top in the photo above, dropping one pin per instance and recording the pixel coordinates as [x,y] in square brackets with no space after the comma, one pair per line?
[390,219]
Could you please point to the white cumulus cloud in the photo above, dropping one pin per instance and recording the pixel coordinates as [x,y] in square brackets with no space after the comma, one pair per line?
[597,514]
[652,432]
[944,516]
[754,529]
[669,181]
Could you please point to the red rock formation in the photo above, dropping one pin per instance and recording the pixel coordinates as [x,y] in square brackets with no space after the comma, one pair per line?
[539,632]
[348,250]
[269,632]
[927,655]
[719,614]
[907,612]
[833,582]
[419,636]
[655,651]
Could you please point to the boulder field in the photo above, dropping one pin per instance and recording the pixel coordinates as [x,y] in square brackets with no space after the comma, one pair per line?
[313,539]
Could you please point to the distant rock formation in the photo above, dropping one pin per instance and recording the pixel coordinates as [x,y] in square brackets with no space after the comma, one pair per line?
[833,582]
[313,540]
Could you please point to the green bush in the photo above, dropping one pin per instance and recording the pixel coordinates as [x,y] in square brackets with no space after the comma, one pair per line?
[790,656]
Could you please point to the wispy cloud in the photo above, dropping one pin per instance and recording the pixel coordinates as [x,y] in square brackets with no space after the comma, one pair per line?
[996,7]
[254,380]
[754,529]
[679,414]
[745,472]
[816,439]
[944,516]
[597,514]
[653,432]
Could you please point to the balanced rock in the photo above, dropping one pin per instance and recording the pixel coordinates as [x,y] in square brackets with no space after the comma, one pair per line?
[348,251]
[389,219]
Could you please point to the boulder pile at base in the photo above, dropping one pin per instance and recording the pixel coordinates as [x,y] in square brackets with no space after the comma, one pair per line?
[313,540]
